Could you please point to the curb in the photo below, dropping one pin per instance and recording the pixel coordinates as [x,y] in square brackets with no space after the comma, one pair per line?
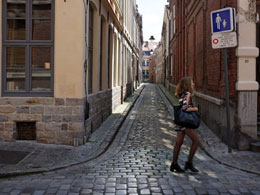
[170,109]
[102,148]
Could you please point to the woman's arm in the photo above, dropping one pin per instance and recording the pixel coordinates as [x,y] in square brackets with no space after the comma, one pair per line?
[190,109]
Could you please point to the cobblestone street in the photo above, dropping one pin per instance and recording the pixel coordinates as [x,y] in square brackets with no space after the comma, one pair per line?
[137,162]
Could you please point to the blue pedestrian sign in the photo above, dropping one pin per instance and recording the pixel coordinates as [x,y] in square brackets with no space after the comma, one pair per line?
[223,20]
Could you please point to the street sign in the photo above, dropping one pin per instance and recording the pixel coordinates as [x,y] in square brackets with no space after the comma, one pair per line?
[223,20]
[224,40]
[222,26]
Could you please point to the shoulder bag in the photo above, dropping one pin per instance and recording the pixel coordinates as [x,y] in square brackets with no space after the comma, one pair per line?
[186,119]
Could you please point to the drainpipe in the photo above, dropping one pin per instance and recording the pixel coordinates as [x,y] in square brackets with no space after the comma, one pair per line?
[168,60]
[86,104]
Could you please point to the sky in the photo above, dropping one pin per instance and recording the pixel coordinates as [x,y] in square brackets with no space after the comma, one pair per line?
[152,13]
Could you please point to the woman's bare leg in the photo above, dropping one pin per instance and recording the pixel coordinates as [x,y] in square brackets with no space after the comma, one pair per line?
[177,147]
[195,143]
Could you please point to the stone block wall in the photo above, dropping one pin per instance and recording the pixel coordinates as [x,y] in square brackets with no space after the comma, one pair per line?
[99,109]
[129,89]
[116,100]
[58,120]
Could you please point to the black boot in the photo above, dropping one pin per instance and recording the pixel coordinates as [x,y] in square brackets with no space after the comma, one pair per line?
[176,168]
[190,166]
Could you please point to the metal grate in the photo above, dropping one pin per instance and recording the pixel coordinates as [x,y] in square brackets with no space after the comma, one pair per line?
[26,130]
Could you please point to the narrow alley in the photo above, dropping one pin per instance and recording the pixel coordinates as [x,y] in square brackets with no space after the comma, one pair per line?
[137,162]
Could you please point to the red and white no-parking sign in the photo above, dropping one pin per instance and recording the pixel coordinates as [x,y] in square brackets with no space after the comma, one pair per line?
[224,40]
[215,41]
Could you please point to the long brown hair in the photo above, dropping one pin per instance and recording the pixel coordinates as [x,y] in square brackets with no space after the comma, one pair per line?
[184,85]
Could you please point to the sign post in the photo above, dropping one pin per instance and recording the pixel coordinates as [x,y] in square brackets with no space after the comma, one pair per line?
[227,101]
[223,25]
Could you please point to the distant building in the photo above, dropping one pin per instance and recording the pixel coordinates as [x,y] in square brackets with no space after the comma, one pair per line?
[147,50]
[152,69]
[159,70]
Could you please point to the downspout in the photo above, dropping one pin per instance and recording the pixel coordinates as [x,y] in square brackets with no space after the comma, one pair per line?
[169,32]
[86,104]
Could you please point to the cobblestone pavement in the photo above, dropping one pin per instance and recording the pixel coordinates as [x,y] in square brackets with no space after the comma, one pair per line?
[138,162]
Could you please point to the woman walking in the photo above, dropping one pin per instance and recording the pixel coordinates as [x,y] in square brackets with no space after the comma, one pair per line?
[184,91]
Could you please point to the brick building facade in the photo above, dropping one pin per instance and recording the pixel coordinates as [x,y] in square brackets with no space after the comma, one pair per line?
[192,55]
[152,67]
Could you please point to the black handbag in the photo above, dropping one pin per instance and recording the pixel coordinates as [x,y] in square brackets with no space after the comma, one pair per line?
[186,119]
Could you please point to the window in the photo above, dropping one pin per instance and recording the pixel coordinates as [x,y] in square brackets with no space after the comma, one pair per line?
[28,47]
[90,49]
[173,21]
[148,62]
[146,53]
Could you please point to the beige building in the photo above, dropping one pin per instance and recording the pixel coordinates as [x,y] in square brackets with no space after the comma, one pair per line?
[147,50]
[65,66]
[165,39]
[159,64]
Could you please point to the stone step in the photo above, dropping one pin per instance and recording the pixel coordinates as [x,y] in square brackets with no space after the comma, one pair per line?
[255,146]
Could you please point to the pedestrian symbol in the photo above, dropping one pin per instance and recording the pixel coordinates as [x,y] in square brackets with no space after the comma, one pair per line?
[218,21]
[223,20]
[224,24]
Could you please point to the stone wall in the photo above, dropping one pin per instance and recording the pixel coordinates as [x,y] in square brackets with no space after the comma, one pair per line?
[99,108]
[58,120]
[68,121]
[116,100]
[129,89]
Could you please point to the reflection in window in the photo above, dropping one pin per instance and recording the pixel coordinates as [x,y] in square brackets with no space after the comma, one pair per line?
[41,30]
[15,69]
[41,68]
[16,9]
[41,9]
[28,46]
[15,29]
